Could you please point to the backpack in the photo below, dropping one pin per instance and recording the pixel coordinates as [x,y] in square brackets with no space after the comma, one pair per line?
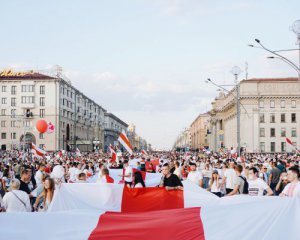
[246,185]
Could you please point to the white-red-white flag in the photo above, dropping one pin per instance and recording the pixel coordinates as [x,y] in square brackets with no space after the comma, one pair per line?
[125,142]
[38,152]
[144,152]
[113,153]
[78,153]
[290,143]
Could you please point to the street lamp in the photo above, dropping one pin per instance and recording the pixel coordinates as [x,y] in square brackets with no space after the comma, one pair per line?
[296,29]
[236,71]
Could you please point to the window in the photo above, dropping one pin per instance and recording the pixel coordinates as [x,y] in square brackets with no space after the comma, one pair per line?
[282,103]
[13,102]
[3,100]
[261,104]
[13,123]
[3,123]
[283,132]
[27,123]
[282,117]
[13,90]
[293,116]
[41,135]
[3,112]
[293,103]
[272,118]
[272,146]
[261,132]
[13,113]
[13,135]
[27,88]
[283,146]
[272,132]
[294,132]
[42,113]
[3,88]
[3,135]
[42,90]
[42,101]
[261,118]
[272,104]
[262,146]
[27,99]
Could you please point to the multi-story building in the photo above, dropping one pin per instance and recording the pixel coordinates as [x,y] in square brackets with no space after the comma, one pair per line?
[184,139]
[113,127]
[137,142]
[27,97]
[199,129]
[270,112]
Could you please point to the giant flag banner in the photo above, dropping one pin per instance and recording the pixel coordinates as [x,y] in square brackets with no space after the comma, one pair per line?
[103,211]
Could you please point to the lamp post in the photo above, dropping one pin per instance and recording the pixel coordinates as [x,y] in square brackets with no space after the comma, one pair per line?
[296,29]
[236,71]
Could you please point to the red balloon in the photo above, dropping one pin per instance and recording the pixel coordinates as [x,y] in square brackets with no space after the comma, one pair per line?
[41,126]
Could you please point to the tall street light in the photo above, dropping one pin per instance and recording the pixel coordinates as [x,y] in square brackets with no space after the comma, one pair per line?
[296,29]
[236,71]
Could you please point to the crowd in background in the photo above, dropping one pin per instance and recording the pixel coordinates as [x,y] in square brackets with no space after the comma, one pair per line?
[28,183]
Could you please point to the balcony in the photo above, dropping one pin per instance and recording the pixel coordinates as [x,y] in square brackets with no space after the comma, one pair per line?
[27,105]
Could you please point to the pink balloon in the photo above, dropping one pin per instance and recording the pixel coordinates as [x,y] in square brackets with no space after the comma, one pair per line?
[50,128]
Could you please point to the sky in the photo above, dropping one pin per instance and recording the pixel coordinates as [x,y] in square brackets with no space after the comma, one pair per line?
[146,61]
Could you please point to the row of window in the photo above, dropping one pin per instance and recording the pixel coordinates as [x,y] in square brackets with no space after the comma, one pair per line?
[272,103]
[262,146]
[262,132]
[14,113]
[24,88]
[24,99]
[13,135]
[273,119]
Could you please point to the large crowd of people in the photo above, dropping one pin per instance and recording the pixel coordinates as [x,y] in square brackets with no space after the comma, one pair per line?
[28,183]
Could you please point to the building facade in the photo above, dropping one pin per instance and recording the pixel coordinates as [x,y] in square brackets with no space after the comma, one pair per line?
[137,142]
[113,127]
[270,112]
[199,130]
[27,97]
[183,140]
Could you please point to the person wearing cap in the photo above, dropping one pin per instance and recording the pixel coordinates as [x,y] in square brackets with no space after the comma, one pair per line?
[194,175]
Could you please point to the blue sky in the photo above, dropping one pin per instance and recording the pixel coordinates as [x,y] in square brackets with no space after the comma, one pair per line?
[147,60]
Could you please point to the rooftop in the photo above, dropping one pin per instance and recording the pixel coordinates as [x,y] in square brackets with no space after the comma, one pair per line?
[288,79]
[30,75]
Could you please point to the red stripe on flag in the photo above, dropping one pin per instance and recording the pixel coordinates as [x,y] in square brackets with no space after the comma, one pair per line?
[151,199]
[143,173]
[124,138]
[289,141]
[175,224]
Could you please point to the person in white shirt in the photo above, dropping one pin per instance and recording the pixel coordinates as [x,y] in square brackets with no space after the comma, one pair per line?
[257,186]
[72,173]
[39,175]
[177,170]
[127,173]
[195,176]
[16,200]
[78,170]
[292,189]
[229,178]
